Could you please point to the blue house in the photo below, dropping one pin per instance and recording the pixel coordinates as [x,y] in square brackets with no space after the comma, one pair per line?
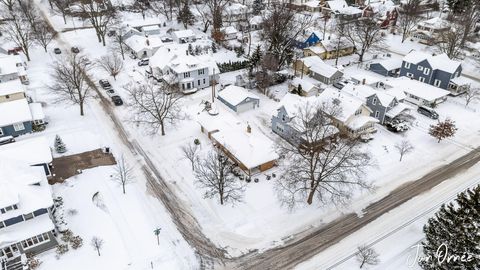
[306,40]
[15,118]
[387,67]
[438,70]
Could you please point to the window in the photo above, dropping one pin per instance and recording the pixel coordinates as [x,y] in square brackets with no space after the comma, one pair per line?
[422,79]
[374,101]
[188,86]
[407,65]
[410,75]
[437,83]
[2,225]
[18,126]
[198,82]
[8,208]
[28,216]
[359,111]
[426,71]
[203,81]
[420,68]
[186,74]
[1,131]
[377,114]
[201,72]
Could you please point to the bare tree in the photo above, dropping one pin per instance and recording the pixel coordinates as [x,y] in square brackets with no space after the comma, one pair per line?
[468,20]
[61,7]
[443,129]
[216,10]
[70,80]
[9,4]
[281,27]
[322,164]
[111,63]
[18,31]
[409,16]
[450,42]
[97,244]
[163,7]
[470,95]
[214,174]
[29,13]
[44,34]
[365,34]
[123,174]
[367,255]
[100,16]
[119,39]
[204,16]
[154,105]
[404,147]
[190,152]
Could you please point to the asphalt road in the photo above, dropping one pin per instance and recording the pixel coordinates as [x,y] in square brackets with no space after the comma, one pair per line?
[299,248]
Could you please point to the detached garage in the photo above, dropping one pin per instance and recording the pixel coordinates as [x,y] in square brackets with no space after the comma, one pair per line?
[238,98]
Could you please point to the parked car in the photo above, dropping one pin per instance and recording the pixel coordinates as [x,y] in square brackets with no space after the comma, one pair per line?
[366,138]
[57,51]
[338,85]
[6,140]
[117,100]
[75,50]
[105,84]
[143,62]
[397,126]
[111,93]
[428,112]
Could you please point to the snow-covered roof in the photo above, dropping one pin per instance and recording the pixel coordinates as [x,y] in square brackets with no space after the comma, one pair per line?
[369,78]
[251,149]
[381,6]
[435,23]
[235,8]
[138,43]
[31,151]
[440,62]
[360,121]
[183,33]
[390,63]
[256,20]
[316,49]
[234,95]
[422,90]
[401,107]
[337,5]
[185,63]
[8,65]
[348,104]
[16,111]
[24,230]
[317,65]
[312,3]
[306,85]
[37,111]
[23,185]
[229,30]
[150,28]
[332,43]
[10,87]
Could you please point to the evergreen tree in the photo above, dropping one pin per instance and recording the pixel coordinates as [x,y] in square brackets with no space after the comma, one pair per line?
[299,89]
[456,227]
[255,58]
[214,47]
[190,49]
[60,147]
[258,6]
[185,16]
[459,6]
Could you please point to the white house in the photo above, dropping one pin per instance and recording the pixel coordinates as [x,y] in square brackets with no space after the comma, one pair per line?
[26,204]
[35,152]
[184,36]
[142,47]
[151,30]
[418,93]
[12,67]
[229,33]
[238,98]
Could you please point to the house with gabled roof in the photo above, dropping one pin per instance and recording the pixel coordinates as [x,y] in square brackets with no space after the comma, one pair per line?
[316,68]
[238,98]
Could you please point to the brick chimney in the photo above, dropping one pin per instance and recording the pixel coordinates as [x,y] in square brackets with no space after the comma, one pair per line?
[249,128]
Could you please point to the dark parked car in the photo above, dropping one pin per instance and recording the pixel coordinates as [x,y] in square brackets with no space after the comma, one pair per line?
[143,62]
[338,85]
[428,112]
[57,51]
[117,100]
[75,50]
[104,84]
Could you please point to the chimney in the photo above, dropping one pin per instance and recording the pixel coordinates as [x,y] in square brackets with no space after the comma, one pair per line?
[363,81]
[249,129]
[186,52]
[148,42]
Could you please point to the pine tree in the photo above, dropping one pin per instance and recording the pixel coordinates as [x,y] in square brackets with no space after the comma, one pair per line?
[185,16]
[456,227]
[458,6]
[214,47]
[60,147]
[258,6]
[190,49]
[255,58]
[443,129]
[299,89]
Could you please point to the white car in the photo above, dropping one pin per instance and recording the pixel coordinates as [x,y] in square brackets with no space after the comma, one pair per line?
[111,92]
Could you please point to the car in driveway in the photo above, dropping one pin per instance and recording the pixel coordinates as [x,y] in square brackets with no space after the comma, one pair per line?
[428,112]
[57,51]
[105,84]
[111,93]
[75,50]
[338,85]
[143,62]
[117,100]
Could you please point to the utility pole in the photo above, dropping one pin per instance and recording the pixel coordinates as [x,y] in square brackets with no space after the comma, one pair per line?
[157,233]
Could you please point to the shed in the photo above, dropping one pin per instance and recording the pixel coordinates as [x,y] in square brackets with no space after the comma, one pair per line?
[238,98]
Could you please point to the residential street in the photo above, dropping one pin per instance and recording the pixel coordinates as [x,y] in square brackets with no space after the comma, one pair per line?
[300,247]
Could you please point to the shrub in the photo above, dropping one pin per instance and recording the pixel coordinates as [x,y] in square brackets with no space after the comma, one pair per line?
[32,262]
[61,249]
[76,242]
[67,236]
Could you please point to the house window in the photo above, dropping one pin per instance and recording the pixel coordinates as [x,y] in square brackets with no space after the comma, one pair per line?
[186,74]
[201,72]
[1,132]
[420,68]
[374,101]
[437,83]
[359,111]
[203,81]
[28,216]
[422,79]
[407,65]
[198,82]
[377,114]
[188,85]
[410,75]
[18,126]
[426,71]
[2,225]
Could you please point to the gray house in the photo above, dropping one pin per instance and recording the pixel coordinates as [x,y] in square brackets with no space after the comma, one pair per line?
[387,67]
[238,98]
[316,68]
[15,118]
[436,70]
[26,222]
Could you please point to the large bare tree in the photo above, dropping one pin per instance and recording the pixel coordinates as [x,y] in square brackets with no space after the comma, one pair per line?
[190,152]
[365,34]
[214,174]
[324,165]
[70,80]
[409,16]
[155,105]
[216,9]
[111,63]
[281,27]
[101,16]
[29,13]
[61,7]
[44,34]
[470,95]
[18,30]
[123,173]
[450,42]
[404,147]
